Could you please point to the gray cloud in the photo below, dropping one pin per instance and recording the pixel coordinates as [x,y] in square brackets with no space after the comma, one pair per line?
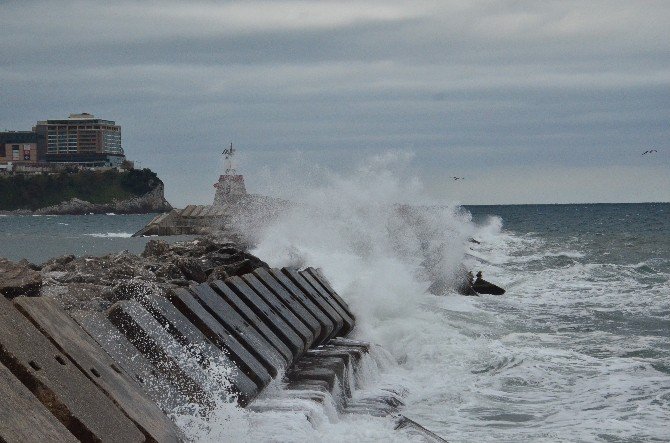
[479,88]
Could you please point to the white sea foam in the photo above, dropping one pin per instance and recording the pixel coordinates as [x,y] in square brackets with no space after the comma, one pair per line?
[531,365]
[111,235]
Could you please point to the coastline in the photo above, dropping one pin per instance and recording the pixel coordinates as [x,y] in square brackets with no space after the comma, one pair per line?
[151,202]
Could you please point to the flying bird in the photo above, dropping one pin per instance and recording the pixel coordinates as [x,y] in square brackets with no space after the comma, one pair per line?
[649,151]
[458,178]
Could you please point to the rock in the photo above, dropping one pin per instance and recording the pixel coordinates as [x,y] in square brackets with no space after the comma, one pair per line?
[482,286]
[156,248]
[58,264]
[153,201]
[191,269]
[18,279]
[24,262]
[168,271]
[218,273]
[245,266]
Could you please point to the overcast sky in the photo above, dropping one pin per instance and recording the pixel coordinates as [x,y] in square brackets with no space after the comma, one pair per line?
[530,101]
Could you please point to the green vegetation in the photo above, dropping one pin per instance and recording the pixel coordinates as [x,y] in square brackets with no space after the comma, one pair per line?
[19,191]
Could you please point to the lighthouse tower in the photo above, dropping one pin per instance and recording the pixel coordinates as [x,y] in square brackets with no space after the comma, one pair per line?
[230,187]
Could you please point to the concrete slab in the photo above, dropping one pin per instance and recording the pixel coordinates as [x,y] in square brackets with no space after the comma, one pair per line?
[319,277]
[198,345]
[317,298]
[191,308]
[128,360]
[334,300]
[320,309]
[166,355]
[59,385]
[234,312]
[89,357]
[336,364]
[297,323]
[341,341]
[301,306]
[271,316]
[301,376]
[23,417]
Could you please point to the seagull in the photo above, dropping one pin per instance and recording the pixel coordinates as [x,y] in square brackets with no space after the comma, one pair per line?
[649,151]
[458,178]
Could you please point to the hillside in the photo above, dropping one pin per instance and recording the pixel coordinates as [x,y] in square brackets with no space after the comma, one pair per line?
[101,190]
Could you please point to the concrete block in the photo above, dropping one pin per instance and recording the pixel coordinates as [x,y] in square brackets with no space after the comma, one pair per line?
[336,364]
[335,301]
[327,377]
[198,345]
[157,346]
[321,310]
[231,305]
[323,281]
[341,341]
[298,324]
[128,359]
[271,316]
[89,357]
[256,338]
[317,299]
[58,384]
[301,306]
[23,417]
[355,354]
[191,308]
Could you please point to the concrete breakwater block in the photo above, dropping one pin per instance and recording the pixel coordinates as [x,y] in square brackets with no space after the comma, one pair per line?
[313,316]
[321,284]
[348,320]
[199,347]
[89,357]
[336,365]
[159,388]
[298,324]
[58,384]
[192,309]
[261,280]
[267,314]
[290,277]
[23,417]
[157,346]
[250,331]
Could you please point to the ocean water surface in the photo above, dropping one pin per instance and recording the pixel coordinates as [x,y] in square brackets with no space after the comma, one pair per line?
[578,349]
[39,238]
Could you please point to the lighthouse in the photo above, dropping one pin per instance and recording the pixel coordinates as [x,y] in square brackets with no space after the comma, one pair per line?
[230,187]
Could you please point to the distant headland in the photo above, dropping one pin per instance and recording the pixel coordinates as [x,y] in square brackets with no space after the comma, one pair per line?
[74,166]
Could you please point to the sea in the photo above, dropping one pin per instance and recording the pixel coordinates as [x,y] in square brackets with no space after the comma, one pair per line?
[577,349]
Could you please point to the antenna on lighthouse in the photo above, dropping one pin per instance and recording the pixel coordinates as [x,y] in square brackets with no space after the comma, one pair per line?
[228,156]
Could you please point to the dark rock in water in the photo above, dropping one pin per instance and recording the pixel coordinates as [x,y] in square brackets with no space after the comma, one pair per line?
[482,286]
[18,279]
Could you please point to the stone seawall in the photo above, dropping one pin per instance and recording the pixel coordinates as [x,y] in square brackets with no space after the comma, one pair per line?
[116,369]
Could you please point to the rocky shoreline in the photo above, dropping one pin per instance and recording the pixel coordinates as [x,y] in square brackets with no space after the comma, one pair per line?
[151,202]
[95,283]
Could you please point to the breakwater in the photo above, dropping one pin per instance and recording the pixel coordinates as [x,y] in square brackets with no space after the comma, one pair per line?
[118,373]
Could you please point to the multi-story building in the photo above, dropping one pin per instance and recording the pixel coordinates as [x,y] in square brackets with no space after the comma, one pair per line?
[18,147]
[80,139]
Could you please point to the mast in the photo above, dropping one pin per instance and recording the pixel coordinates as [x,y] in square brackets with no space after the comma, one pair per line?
[228,163]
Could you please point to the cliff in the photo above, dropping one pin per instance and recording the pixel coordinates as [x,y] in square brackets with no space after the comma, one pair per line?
[83,192]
